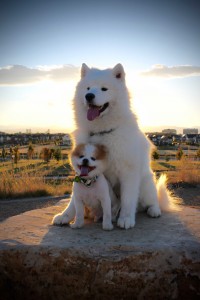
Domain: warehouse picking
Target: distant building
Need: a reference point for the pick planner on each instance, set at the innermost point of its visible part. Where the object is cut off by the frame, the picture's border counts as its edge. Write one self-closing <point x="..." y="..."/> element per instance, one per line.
<point x="169" y="131"/>
<point x="190" y="131"/>
<point x="190" y="138"/>
<point x="35" y="138"/>
<point x="177" y="138"/>
<point x="67" y="140"/>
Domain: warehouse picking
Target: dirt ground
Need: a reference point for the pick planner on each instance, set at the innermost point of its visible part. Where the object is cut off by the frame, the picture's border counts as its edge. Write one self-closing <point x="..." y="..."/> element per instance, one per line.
<point x="189" y="195"/>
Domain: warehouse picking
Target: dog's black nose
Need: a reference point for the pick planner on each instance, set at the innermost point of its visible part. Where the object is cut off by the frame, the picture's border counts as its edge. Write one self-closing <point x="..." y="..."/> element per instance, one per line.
<point x="89" y="97"/>
<point x="85" y="162"/>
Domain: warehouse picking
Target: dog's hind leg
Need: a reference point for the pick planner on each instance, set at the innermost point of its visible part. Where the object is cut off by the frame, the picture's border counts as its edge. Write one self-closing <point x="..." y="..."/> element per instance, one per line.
<point x="66" y="216"/>
<point x="149" y="196"/>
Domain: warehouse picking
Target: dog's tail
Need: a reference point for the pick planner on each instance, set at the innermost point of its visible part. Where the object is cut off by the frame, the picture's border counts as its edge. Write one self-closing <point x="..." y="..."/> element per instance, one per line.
<point x="166" y="201"/>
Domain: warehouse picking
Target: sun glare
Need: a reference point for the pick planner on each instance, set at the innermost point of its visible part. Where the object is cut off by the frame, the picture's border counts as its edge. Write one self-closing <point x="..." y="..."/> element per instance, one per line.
<point x="153" y="102"/>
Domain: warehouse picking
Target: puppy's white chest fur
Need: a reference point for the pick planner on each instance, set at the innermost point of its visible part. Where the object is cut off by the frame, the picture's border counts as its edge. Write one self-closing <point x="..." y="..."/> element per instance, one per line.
<point x="97" y="198"/>
<point x="93" y="195"/>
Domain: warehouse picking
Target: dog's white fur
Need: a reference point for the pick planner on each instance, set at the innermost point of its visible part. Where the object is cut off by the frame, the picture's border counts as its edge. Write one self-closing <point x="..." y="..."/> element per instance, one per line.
<point x="97" y="197"/>
<point x="128" y="168"/>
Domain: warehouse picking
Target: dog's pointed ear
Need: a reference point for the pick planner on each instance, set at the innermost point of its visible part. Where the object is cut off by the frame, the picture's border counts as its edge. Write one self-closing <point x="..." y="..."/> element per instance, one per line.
<point x="84" y="70"/>
<point x="118" y="71"/>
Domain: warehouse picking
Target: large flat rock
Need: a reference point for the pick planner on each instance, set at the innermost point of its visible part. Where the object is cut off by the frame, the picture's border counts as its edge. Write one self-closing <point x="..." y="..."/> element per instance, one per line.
<point x="158" y="259"/>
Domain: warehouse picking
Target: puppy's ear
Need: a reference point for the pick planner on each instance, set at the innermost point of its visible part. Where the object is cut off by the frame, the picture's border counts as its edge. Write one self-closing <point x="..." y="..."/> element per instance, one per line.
<point x="101" y="151"/>
<point x="118" y="71"/>
<point x="84" y="70"/>
<point x="78" y="150"/>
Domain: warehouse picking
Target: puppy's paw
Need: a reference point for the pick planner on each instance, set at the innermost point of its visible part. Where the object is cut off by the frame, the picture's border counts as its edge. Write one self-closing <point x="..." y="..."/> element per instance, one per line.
<point x="77" y="224"/>
<point x="126" y="222"/>
<point x="154" y="211"/>
<point x="107" y="226"/>
<point x="60" y="219"/>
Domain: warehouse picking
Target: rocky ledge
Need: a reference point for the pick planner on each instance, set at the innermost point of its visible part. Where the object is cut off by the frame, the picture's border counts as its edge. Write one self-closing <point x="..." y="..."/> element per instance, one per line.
<point x="158" y="259"/>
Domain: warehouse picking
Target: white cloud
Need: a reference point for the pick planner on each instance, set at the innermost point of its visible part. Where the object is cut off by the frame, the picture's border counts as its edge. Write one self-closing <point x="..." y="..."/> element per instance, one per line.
<point x="172" y="72"/>
<point x="21" y="75"/>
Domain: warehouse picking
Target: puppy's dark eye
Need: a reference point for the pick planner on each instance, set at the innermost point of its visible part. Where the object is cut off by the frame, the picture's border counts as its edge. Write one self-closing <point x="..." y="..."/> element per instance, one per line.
<point x="104" y="89"/>
<point x="81" y="156"/>
<point x="88" y="88"/>
<point x="92" y="158"/>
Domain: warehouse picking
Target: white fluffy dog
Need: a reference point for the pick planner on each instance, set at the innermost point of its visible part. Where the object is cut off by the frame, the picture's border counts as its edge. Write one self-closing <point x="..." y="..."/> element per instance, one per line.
<point x="90" y="188"/>
<point x="103" y="115"/>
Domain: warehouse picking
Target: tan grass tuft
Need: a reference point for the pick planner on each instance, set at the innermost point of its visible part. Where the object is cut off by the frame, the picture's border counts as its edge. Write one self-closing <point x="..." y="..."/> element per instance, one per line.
<point x="188" y="171"/>
<point x="25" y="185"/>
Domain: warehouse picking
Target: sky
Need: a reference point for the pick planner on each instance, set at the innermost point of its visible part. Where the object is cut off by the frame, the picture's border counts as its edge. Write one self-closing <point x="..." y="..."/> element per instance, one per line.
<point x="44" y="43"/>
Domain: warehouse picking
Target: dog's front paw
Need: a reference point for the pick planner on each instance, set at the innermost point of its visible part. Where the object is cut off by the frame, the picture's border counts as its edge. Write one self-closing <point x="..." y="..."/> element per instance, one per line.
<point x="60" y="219"/>
<point x="107" y="226"/>
<point x="126" y="222"/>
<point x="76" y="225"/>
<point x="154" y="211"/>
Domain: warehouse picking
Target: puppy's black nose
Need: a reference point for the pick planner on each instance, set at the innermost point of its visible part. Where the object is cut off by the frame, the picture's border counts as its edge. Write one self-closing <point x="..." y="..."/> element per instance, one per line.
<point x="89" y="97"/>
<point x="85" y="162"/>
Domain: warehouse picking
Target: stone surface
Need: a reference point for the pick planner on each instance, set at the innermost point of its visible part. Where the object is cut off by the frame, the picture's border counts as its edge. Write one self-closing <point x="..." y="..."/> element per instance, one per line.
<point x="158" y="259"/>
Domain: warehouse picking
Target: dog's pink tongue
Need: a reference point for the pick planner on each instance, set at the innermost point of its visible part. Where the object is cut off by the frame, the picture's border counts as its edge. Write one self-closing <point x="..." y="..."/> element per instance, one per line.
<point x="92" y="113"/>
<point x="84" y="171"/>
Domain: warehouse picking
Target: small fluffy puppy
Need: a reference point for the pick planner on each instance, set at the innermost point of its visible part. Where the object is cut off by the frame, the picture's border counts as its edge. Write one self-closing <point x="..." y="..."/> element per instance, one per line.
<point x="90" y="188"/>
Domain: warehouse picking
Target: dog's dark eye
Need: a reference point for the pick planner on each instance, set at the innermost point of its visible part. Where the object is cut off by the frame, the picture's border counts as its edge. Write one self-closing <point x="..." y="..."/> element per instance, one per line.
<point x="104" y="89"/>
<point x="92" y="158"/>
<point x="81" y="156"/>
<point x="88" y="88"/>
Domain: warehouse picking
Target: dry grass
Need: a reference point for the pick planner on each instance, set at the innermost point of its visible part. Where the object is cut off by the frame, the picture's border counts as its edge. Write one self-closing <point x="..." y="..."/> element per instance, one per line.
<point x="188" y="171"/>
<point x="23" y="185"/>
<point x="30" y="182"/>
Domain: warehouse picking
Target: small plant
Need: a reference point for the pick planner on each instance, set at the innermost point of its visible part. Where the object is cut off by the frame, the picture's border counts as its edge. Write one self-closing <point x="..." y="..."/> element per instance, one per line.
<point x="155" y="155"/>
<point x="30" y="151"/>
<point x="3" y="154"/>
<point x="167" y="158"/>
<point x="57" y="154"/>
<point x="179" y="154"/>
<point x="16" y="154"/>
<point x="46" y="154"/>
